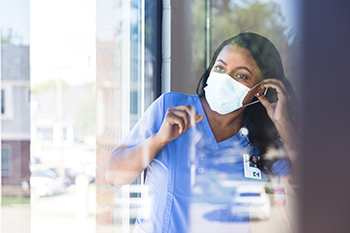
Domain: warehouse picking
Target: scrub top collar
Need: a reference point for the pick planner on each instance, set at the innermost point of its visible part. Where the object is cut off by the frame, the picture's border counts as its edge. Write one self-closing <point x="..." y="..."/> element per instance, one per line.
<point x="223" y="144"/>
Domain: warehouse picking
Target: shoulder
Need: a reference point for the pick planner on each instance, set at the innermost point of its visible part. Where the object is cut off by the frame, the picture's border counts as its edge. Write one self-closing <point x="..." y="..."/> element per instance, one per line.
<point x="176" y="99"/>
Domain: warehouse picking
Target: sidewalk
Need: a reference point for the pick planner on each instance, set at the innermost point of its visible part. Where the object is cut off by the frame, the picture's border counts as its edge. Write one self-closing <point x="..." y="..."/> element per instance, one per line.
<point x="15" y="219"/>
<point x="60" y="213"/>
<point x="63" y="213"/>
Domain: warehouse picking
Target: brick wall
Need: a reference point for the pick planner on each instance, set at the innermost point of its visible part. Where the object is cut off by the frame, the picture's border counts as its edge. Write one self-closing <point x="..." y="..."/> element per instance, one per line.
<point x="108" y="113"/>
<point x="19" y="168"/>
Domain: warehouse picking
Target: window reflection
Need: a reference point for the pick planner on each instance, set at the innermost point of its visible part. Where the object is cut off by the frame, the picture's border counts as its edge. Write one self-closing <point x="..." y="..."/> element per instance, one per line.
<point x="47" y="112"/>
<point x="63" y="137"/>
<point x="15" y="116"/>
<point x="220" y="20"/>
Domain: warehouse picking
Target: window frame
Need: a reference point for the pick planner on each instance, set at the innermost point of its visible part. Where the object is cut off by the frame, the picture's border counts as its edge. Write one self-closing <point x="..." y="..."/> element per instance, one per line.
<point x="135" y="86"/>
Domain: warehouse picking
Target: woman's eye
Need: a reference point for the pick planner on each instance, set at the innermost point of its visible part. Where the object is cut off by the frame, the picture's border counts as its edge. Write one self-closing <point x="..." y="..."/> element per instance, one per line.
<point x="241" y="76"/>
<point x="219" y="69"/>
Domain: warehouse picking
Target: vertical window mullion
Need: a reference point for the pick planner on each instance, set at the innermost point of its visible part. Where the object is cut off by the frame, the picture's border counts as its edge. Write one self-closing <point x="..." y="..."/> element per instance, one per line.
<point x="207" y="32"/>
<point x="142" y="68"/>
<point x="140" y="81"/>
<point x="125" y="209"/>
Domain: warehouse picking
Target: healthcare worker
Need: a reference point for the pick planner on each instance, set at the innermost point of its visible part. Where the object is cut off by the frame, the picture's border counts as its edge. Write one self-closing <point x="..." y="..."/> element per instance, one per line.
<point x="198" y="148"/>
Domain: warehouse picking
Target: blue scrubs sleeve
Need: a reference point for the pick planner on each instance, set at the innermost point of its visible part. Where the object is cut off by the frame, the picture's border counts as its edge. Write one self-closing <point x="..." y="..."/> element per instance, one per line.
<point x="282" y="166"/>
<point x="149" y="124"/>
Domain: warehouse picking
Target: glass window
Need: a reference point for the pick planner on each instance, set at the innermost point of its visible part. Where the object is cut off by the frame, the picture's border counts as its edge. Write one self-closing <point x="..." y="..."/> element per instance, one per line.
<point x="221" y="20"/>
<point x="92" y="74"/>
<point x="5" y="159"/>
<point x="62" y="114"/>
<point x="144" y="83"/>
<point x="134" y="38"/>
<point x="217" y="201"/>
<point x="15" y="116"/>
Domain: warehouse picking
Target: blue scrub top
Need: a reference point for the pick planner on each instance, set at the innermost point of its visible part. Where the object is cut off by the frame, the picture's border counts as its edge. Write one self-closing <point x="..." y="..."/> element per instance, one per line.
<point x="192" y="172"/>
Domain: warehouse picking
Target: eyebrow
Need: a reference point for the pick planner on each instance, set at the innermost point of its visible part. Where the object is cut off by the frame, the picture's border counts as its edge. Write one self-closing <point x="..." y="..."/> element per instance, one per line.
<point x="244" y="68"/>
<point x="238" y="67"/>
<point x="220" y="60"/>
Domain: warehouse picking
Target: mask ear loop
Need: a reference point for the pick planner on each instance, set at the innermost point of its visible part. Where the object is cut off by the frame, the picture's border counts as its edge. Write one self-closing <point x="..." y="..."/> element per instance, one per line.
<point x="256" y="100"/>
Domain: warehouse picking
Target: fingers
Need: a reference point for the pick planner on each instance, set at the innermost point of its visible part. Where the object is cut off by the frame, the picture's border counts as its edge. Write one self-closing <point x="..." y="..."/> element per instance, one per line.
<point x="179" y="118"/>
<point x="184" y="116"/>
<point x="276" y="84"/>
<point x="276" y="110"/>
<point x="264" y="101"/>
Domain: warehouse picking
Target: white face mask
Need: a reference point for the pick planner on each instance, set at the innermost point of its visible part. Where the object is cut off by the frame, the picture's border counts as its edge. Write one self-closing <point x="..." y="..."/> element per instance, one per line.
<point x="224" y="94"/>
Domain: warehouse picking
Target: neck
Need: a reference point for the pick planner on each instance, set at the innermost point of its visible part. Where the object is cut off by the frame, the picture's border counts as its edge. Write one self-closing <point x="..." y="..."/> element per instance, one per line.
<point x="223" y="126"/>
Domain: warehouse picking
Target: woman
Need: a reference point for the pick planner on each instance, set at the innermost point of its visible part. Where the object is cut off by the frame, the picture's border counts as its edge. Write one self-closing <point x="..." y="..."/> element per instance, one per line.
<point x="231" y="117"/>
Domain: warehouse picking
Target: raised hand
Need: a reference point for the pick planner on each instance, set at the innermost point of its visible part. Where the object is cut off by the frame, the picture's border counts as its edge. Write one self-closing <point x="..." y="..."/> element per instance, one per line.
<point x="177" y="121"/>
<point x="278" y="111"/>
<point x="279" y="114"/>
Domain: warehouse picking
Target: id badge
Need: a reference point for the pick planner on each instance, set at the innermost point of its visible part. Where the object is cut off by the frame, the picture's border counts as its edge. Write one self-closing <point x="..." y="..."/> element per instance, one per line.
<point x="251" y="169"/>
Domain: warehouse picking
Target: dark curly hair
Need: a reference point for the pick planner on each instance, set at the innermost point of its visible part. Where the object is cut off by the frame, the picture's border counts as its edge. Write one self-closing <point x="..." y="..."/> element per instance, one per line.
<point x="262" y="131"/>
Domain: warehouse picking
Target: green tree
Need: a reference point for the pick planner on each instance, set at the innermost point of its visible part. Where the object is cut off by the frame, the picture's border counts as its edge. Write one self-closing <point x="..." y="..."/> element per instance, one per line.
<point x="10" y="37"/>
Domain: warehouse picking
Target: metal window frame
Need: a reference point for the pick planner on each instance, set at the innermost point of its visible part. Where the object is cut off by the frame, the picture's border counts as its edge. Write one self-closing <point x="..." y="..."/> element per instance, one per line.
<point x="126" y="201"/>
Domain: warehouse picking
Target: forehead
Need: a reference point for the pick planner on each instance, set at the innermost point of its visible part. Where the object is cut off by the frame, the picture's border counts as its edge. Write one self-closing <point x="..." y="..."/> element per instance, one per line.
<point x="236" y="54"/>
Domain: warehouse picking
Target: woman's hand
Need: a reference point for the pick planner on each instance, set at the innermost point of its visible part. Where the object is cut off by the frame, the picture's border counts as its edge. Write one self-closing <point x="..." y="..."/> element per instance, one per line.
<point x="278" y="111"/>
<point x="279" y="114"/>
<point x="177" y="121"/>
<point x="126" y="164"/>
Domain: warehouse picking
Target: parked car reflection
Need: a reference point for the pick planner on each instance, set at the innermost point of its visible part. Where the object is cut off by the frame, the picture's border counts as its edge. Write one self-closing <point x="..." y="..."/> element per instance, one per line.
<point x="45" y="182"/>
<point x="70" y="176"/>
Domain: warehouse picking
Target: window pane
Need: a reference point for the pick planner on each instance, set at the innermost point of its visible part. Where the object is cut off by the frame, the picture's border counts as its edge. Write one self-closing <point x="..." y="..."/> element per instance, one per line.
<point x="5" y="160"/>
<point x="62" y="107"/>
<point x="15" y="116"/>
<point x="220" y="201"/>
<point x="135" y="39"/>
